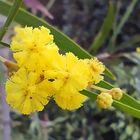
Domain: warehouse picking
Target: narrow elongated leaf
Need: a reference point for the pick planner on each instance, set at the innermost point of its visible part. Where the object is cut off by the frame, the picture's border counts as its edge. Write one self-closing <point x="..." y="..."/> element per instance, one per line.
<point x="25" y="18"/>
<point x="4" y="44"/>
<point x="105" y="84"/>
<point x="126" y="16"/>
<point x="121" y="24"/>
<point x="127" y="109"/>
<point x="118" y="105"/>
<point x="89" y="94"/>
<point x="105" y="29"/>
<point x="133" y="57"/>
<point x="13" y="11"/>
<point x="65" y="43"/>
<point x="109" y="74"/>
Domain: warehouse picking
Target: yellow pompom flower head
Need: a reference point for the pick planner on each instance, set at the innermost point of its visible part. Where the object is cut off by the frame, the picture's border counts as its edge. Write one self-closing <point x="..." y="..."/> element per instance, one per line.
<point x="44" y="73"/>
<point x="75" y="80"/>
<point x="96" y="69"/>
<point x="33" y="47"/>
<point x="25" y="92"/>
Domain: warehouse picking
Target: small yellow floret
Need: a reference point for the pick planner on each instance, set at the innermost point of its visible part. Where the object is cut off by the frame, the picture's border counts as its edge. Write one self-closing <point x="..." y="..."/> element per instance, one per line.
<point x="104" y="100"/>
<point x="116" y="93"/>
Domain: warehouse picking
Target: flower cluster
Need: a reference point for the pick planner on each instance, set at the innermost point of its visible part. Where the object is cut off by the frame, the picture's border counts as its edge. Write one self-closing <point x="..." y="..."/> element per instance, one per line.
<point x="44" y="73"/>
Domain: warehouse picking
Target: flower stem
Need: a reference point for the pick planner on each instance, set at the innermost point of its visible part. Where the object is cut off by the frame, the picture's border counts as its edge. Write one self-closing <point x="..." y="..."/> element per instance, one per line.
<point x="100" y="88"/>
<point x="9" y="64"/>
<point x="13" y="11"/>
<point x="2" y="59"/>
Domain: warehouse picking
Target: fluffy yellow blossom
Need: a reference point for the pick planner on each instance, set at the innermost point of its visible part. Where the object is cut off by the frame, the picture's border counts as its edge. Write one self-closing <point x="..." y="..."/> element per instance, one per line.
<point x="37" y="60"/>
<point x="27" y="39"/>
<point x="96" y="69"/>
<point x="104" y="100"/>
<point x="138" y="50"/>
<point x="25" y="92"/>
<point x="34" y="48"/>
<point x="73" y="76"/>
<point x="69" y="98"/>
<point x="116" y="93"/>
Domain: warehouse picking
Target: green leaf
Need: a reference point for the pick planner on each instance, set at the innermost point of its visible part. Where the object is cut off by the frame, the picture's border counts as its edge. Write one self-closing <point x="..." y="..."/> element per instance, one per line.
<point x="4" y="44"/>
<point x="105" y="84"/>
<point x="25" y="18"/>
<point x="118" y="105"/>
<point x="126" y="99"/>
<point x="127" y="109"/>
<point x="134" y="57"/>
<point x="104" y="31"/>
<point x="65" y="43"/>
<point x="89" y="94"/>
<point x="125" y="16"/>
<point x="120" y="25"/>
<point x="109" y="74"/>
<point x="12" y="13"/>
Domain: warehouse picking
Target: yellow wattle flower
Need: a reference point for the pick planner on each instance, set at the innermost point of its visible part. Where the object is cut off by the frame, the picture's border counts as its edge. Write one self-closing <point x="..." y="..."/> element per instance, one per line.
<point x="73" y="76"/>
<point x="69" y="98"/>
<point x="28" y="39"/>
<point x="25" y="92"/>
<point x="37" y="61"/>
<point x="96" y="69"/>
<point x="33" y="48"/>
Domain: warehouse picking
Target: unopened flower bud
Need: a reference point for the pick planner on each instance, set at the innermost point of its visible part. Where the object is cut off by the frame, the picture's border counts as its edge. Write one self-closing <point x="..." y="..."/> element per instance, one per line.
<point x="116" y="93"/>
<point x="104" y="100"/>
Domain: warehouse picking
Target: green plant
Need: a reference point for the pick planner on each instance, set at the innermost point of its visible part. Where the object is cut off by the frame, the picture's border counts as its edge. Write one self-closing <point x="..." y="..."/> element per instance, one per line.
<point x="126" y="104"/>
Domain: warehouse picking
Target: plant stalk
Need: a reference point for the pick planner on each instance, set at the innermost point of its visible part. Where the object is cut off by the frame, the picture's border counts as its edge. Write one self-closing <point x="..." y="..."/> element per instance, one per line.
<point x="12" y="13"/>
<point x="99" y="88"/>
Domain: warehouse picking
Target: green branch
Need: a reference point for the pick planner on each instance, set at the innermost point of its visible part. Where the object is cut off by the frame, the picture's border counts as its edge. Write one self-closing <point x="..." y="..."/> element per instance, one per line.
<point x="4" y="44"/>
<point x="13" y="11"/>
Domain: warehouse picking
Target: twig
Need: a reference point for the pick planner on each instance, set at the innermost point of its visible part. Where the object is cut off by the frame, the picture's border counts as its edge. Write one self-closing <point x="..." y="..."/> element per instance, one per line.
<point x="12" y="13"/>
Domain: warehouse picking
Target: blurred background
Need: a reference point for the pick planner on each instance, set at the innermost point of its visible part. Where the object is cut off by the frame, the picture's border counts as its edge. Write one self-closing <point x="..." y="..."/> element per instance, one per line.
<point x="117" y="24"/>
